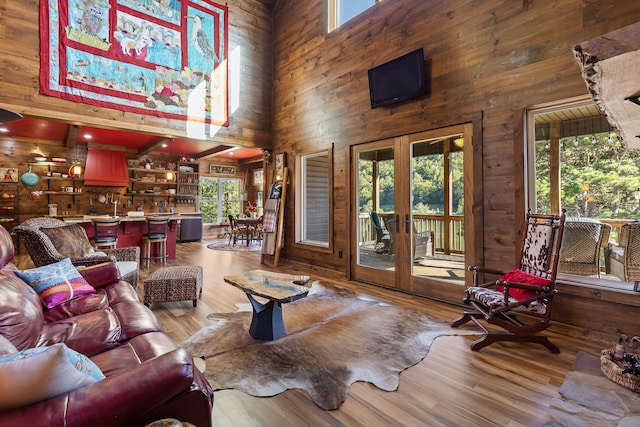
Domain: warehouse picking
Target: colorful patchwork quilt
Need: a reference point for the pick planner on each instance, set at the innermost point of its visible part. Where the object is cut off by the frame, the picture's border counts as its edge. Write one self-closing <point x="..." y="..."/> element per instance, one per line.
<point x="165" y="58"/>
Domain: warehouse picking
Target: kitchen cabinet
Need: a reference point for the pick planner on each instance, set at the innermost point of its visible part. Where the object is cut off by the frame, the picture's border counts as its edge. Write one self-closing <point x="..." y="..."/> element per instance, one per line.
<point x="188" y="183"/>
<point x="10" y="210"/>
<point x="150" y="183"/>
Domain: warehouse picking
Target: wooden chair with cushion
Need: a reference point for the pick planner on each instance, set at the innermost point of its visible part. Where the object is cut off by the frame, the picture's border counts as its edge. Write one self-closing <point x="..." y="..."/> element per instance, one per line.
<point x="528" y="288"/>
<point x="622" y="259"/>
<point x="49" y="240"/>
<point x="582" y="241"/>
<point x="238" y="232"/>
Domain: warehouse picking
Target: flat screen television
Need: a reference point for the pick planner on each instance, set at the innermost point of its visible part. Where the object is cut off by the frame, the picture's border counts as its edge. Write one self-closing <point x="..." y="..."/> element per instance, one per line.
<point x="398" y="80"/>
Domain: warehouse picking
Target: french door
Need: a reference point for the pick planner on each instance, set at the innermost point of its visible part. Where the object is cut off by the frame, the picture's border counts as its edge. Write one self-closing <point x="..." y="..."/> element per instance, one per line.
<point x="412" y="227"/>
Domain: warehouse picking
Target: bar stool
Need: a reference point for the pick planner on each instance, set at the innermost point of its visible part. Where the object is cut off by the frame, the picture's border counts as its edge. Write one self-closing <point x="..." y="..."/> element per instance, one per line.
<point x="157" y="230"/>
<point x="105" y="233"/>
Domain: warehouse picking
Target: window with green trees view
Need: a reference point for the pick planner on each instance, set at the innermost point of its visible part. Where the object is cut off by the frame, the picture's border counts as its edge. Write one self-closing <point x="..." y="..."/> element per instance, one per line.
<point x="427" y="181"/>
<point x="581" y="166"/>
<point x="219" y="198"/>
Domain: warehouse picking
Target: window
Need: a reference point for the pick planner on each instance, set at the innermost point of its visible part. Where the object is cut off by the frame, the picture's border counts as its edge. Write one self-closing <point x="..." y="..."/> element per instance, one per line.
<point x="313" y="204"/>
<point x="340" y="11"/>
<point x="219" y="198"/>
<point x="577" y="163"/>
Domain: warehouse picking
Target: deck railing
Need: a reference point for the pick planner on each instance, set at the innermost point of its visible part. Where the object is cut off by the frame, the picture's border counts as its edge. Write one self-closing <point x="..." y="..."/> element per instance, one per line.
<point x="448" y="232"/>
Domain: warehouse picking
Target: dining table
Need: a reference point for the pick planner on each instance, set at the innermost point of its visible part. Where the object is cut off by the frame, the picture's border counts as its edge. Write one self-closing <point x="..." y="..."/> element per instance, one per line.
<point x="252" y="225"/>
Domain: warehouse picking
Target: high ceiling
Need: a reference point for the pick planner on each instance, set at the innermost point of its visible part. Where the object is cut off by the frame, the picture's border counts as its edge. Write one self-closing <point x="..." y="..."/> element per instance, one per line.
<point x="48" y="130"/>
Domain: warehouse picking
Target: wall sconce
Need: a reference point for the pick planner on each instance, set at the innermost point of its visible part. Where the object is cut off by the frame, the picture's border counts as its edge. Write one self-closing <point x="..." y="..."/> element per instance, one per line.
<point x="266" y="154"/>
<point x="170" y="175"/>
<point x="636" y="194"/>
<point x="76" y="169"/>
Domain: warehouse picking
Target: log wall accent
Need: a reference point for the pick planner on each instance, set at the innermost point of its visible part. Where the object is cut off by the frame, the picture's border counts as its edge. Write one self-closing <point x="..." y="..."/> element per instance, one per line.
<point x="492" y="59"/>
<point x="250" y="67"/>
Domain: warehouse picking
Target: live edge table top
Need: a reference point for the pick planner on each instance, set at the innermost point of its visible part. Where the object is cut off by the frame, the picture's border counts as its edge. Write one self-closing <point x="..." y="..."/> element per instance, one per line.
<point x="277" y="287"/>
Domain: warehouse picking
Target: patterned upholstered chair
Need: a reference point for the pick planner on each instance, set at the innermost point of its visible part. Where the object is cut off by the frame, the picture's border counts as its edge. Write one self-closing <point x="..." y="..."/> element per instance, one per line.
<point x="622" y="259"/>
<point x="528" y="288"/>
<point x="582" y="241"/>
<point x="49" y="240"/>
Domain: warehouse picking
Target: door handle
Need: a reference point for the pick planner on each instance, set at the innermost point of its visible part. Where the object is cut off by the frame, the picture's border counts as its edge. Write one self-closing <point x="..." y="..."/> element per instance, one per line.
<point x="406" y="223"/>
<point x="397" y="223"/>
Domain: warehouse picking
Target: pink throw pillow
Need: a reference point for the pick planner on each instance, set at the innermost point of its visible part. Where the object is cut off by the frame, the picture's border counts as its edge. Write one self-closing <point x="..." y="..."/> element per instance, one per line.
<point x="519" y="276"/>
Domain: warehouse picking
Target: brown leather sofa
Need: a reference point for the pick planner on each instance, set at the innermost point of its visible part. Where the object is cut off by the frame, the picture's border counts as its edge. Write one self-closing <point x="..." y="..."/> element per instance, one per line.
<point x="147" y="376"/>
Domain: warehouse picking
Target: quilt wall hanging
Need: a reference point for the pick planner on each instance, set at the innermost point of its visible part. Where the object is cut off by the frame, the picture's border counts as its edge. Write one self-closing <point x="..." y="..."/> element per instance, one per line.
<point x="166" y="58"/>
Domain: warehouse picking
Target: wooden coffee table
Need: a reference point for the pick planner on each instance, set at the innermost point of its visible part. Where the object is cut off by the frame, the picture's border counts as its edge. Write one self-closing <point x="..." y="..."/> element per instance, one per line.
<point x="278" y="289"/>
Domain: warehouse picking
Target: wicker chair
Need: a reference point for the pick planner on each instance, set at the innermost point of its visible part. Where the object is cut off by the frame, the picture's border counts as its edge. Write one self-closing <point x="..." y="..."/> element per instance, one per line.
<point x="42" y="250"/>
<point x="623" y="259"/>
<point x="582" y="240"/>
<point x="383" y="237"/>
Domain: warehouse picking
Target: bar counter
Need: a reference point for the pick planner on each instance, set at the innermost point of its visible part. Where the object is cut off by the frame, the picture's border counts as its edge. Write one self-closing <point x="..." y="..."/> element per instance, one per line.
<point x="131" y="229"/>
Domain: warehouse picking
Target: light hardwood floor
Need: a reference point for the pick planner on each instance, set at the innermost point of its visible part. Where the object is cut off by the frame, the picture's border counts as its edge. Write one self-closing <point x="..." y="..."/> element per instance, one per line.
<point x="504" y="385"/>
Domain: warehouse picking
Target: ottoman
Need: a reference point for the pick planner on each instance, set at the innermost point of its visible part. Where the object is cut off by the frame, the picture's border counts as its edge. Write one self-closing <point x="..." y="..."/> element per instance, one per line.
<point x="169" y="284"/>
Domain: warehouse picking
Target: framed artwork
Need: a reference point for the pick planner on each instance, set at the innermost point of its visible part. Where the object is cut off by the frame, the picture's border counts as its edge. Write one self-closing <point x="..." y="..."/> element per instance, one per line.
<point x="258" y="177"/>
<point x="8" y="174"/>
<point x="222" y="170"/>
<point x="160" y="58"/>
<point x="281" y="159"/>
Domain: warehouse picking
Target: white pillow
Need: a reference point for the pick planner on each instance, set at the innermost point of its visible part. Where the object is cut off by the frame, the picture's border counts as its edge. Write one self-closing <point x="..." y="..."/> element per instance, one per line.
<point x="41" y="373"/>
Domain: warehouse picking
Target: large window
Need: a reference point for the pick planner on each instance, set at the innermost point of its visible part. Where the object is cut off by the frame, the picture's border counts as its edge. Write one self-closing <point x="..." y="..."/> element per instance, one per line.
<point x="313" y="200"/>
<point x="340" y="11"/>
<point x="577" y="163"/>
<point x="219" y="198"/>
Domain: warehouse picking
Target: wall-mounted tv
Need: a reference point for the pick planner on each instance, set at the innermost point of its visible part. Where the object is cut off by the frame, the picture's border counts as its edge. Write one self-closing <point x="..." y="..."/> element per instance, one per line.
<point x="398" y="80"/>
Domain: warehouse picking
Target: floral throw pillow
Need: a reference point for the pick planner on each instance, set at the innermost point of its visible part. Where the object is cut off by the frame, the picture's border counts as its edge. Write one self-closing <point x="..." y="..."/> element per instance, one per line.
<point x="41" y="373"/>
<point x="519" y="276"/>
<point x="56" y="283"/>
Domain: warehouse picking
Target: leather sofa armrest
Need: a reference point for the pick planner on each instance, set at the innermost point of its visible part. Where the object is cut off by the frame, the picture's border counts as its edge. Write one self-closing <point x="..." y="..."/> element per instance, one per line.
<point x="100" y="275"/>
<point x="117" y="400"/>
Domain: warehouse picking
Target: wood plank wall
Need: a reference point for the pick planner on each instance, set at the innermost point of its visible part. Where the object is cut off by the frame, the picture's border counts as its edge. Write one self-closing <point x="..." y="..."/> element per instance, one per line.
<point x="249" y="109"/>
<point x="489" y="59"/>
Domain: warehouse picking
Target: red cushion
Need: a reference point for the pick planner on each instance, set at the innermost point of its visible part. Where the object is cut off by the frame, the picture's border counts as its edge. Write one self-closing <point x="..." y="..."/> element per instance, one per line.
<point x="519" y="276"/>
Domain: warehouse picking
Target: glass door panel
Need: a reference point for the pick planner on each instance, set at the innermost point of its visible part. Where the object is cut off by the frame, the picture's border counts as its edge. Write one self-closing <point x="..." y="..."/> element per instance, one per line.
<point x="437" y="208"/>
<point x="374" y="195"/>
<point x="412" y="199"/>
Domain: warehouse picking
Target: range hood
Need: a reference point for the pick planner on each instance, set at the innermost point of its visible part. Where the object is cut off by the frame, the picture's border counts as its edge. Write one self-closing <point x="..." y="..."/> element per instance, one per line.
<point x="610" y="66"/>
<point x="107" y="168"/>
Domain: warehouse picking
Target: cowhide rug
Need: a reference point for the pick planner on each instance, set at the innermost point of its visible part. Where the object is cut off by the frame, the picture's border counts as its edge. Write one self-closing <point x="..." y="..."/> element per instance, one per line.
<point x="334" y="338"/>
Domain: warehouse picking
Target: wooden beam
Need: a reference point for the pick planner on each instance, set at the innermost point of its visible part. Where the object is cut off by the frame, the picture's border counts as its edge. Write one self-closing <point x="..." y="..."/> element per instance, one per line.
<point x="153" y="145"/>
<point x="212" y="151"/>
<point x="72" y="136"/>
<point x="554" y="178"/>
